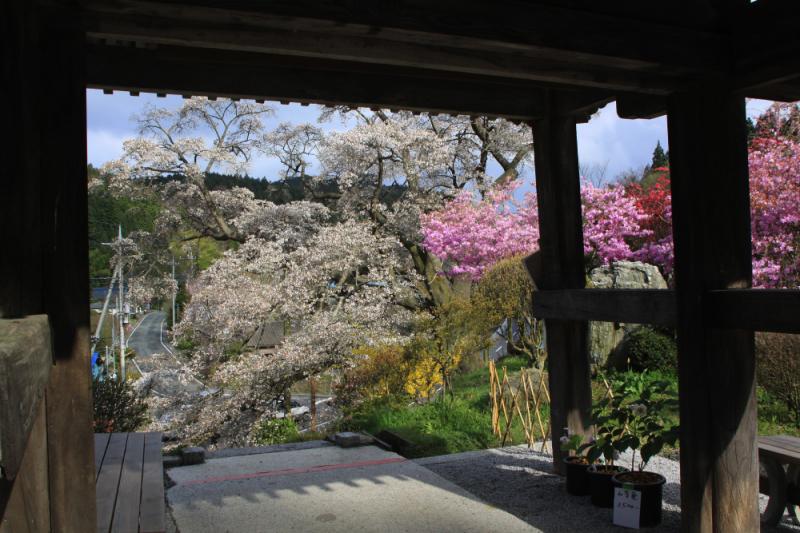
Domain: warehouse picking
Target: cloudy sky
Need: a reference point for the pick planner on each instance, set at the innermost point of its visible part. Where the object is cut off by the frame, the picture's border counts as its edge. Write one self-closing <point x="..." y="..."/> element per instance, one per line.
<point x="608" y="146"/>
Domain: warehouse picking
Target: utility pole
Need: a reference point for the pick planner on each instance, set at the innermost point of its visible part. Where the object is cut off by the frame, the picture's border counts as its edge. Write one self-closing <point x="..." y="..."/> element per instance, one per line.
<point x="114" y="341"/>
<point x="121" y="313"/>
<point x="174" y="294"/>
<point x="99" y="329"/>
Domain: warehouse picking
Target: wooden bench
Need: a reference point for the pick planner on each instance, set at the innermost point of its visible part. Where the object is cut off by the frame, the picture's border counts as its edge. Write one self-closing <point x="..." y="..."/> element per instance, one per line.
<point x="782" y="485"/>
<point x="129" y="482"/>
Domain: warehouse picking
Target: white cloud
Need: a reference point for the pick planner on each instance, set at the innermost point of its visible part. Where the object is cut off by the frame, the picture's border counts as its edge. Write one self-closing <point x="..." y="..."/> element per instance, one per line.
<point x="619" y="144"/>
<point x="103" y="145"/>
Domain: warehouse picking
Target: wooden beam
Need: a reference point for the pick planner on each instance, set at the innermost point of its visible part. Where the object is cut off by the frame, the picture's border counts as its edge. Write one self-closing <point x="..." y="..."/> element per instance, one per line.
<point x="636" y="306"/>
<point x="257" y="76"/>
<point x="561" y="263"/>
<point x="541" y="42"/>
<point x="765" y="48"/>
<point x="716" y="368"/>
<point x="775" y="310"/>
<point x="756" y="309"/>
<point x="640" y="106"/>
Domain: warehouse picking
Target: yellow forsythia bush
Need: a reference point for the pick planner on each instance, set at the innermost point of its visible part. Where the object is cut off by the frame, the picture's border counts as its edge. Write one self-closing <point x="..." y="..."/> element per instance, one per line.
<point x="388" y="369"/>
<point x="424" y="375"/>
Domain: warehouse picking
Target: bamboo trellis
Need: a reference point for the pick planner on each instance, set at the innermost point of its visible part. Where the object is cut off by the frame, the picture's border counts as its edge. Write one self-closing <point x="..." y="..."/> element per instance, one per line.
<point x="510" y="402"/>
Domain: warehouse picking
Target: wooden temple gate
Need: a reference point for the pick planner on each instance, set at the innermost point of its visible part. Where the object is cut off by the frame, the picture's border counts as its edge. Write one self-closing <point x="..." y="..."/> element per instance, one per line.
<point x="547" y="62"/>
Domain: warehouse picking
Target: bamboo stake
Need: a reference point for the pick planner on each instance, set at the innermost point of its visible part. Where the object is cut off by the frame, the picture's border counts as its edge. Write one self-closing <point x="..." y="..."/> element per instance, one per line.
<point x="521" y="418"/>
<point x="545" y="433"/>
<point x="525" y="378"/>
<point x="508" y="421"/>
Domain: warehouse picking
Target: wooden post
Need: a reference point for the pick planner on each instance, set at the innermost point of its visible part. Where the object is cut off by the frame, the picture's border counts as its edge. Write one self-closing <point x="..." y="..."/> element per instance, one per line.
<point x="44" y="228"/>
<point x="561" y="245"/>
<point x="62" y="108"/>
<point x="711" y="227"/>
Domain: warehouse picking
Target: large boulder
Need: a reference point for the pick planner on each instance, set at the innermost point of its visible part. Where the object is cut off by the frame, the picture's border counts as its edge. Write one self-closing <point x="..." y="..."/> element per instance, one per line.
<point x="627" y="275"/>
<point x="607" y="338"/>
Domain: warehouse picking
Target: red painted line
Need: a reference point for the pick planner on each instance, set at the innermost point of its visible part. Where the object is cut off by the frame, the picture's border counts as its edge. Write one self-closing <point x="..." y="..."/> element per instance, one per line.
<point x="290" y="471"/>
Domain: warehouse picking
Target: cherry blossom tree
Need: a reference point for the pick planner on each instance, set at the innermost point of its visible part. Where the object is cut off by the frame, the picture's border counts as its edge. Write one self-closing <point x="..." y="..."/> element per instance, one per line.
<point x="392" y="168"/>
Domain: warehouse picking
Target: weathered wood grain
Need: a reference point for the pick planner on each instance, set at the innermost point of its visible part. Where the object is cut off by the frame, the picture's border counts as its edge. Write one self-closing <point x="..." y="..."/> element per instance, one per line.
<point x="178" y="70"/>
<point x="28" y="509"/>
<point x="101" y="441"/>
<point x="108" y="480"/>
<point x="152" y="513"/>
<point x="126" y="510"/>
<point x="561" y="262"/>
<point x="757" y="309"/>
<point x="25" y="361"/>
<point x="716" y="368"/>
<point x="636" y="306"/>
<point x="442" y="35"/>
<point x="61" y="105"/>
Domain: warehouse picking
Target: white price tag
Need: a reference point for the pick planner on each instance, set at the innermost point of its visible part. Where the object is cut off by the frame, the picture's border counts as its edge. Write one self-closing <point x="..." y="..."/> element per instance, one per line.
<point x="627" y="507"/>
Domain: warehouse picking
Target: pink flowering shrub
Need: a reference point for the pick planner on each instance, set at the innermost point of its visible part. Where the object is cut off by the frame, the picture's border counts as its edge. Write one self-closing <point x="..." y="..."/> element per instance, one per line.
<point x="470" y="236"/>
<point x="775" y="212"/>
<point x="628" y="223"/>
<point x="611" y="223"/>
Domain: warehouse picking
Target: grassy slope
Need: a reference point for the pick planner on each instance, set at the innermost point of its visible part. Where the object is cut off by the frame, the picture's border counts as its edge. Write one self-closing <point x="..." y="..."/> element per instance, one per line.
<point x="464" y="423"/>
<point x="454" y="425"/>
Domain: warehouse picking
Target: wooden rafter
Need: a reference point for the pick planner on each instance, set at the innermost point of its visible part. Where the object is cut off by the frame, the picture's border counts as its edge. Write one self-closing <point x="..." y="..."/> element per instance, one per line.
<point x="539" y="42"/>
<point x="178" y="70"/>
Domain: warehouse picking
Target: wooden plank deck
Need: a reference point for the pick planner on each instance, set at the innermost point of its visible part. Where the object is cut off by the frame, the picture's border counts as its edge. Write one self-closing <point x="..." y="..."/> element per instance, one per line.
<point x="129" y="483"/>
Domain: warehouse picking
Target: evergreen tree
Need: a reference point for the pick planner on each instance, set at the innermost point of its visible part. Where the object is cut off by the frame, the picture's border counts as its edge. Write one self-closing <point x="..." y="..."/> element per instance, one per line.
<point x="660" y="158"/>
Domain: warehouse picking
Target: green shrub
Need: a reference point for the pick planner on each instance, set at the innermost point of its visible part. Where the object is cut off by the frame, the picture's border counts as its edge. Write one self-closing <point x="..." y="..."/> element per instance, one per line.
<point x="275" y="431"/>
<point x="434" y="428"/>
<point x="117" y="406"/>
<point x="185" y="344"/>
<point x="649" y="349"/>
<point x="778" y="368"/>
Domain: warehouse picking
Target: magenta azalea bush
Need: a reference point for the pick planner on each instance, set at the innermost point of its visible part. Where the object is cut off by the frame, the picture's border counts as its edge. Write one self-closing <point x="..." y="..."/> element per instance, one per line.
<point x="631" y="222"/>
<point x="470" y="236"/>
<point x="775" y="212"/>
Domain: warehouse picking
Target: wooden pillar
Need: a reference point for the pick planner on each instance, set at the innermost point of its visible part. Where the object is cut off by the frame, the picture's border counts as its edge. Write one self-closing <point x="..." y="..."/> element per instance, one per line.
<point x="562" y="267"/>
<point x="44" y="267"/>
<point x="711" y="225"/>
<point x="66" y="280"/>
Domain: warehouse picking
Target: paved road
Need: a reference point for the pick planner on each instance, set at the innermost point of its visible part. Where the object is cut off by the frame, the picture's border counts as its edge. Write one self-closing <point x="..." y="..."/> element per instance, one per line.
<point x="149" y="336"/>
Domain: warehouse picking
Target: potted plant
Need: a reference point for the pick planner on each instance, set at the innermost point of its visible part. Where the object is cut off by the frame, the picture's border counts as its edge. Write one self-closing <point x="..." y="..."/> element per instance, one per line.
<point x="601" y="453"/>
<point x="641" y="407"/>
<point x="575" y="463"/>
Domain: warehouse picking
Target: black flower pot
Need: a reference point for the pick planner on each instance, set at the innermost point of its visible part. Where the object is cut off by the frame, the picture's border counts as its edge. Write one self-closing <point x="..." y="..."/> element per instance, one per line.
<point x="600" y="486"/>
<point x="577" y="480"/>
<point x="651" y="486"/>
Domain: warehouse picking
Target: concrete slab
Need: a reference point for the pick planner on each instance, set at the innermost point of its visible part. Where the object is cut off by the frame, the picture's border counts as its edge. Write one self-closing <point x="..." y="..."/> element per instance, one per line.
<point x="327" y="490"/>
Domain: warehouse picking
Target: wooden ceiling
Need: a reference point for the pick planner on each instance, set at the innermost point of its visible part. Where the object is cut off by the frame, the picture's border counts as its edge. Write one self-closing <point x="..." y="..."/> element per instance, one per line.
<point x="501" y="58"/>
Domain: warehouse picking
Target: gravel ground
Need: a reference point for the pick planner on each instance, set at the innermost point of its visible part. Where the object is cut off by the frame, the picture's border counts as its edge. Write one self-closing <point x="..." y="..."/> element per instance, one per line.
<point x="520" y="481"/>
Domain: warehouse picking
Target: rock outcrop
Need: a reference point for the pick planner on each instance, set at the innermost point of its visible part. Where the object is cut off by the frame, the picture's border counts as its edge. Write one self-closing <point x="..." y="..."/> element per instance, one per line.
<point x="607" y="338"/>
